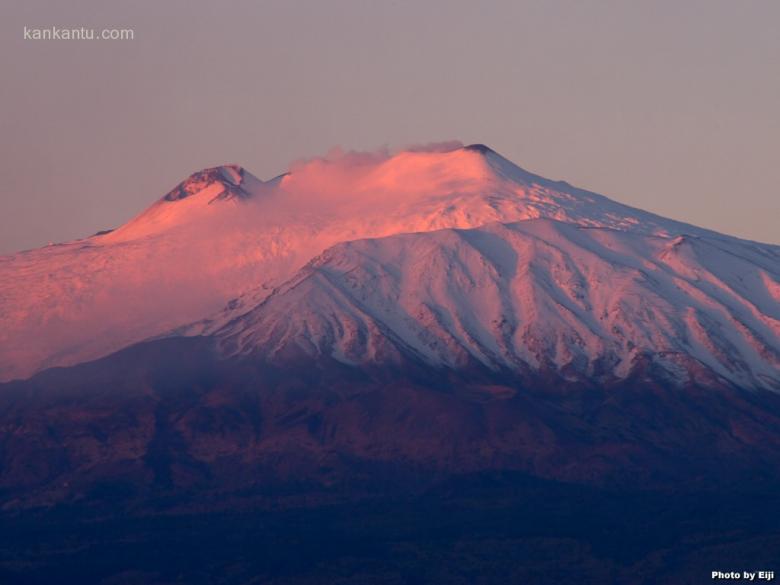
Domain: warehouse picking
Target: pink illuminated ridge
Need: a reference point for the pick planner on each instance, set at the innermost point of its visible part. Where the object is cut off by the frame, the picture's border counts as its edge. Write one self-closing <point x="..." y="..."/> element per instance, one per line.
<point x="583" y="276"/>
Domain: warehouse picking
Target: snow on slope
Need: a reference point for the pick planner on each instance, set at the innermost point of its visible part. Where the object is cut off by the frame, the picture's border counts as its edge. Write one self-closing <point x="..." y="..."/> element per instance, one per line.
<point x="66" y="303"/>
<point x="590" y="303"/>
<point x="223" y="234"/>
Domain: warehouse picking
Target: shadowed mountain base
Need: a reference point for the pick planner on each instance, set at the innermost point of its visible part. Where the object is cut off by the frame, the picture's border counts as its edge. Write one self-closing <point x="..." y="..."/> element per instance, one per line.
<point x="165" y="464"/>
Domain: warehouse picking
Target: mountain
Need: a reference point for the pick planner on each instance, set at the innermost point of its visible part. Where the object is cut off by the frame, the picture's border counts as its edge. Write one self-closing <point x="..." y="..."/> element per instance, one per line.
<point x="427" y="367"/>
<point x="367" y="277"/>
<point x="223" y="234"/>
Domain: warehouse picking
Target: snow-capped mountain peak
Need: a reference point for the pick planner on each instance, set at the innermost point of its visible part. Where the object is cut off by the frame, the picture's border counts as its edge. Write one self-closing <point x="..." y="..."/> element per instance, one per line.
<point x="224" y="234"/>
<point x="190" y="201"/>
<point x="229" y="177"/>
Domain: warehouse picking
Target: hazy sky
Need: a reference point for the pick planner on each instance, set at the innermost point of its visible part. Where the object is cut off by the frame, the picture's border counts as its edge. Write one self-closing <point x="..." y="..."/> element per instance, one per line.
<point x="671" y="106"/>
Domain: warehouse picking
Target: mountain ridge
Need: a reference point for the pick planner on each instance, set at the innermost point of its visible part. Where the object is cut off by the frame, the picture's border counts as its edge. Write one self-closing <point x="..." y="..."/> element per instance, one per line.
<point x="233" y="238"/>
<point x="537" y="293"/>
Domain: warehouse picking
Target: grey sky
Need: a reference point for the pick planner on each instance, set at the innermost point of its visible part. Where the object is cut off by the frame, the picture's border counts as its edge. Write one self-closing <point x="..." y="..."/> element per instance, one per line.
<point x="671" y="106"/>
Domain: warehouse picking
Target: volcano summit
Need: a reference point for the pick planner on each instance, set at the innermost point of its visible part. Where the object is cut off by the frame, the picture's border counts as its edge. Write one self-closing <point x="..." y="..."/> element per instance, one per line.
<point x="223" y="234"/>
